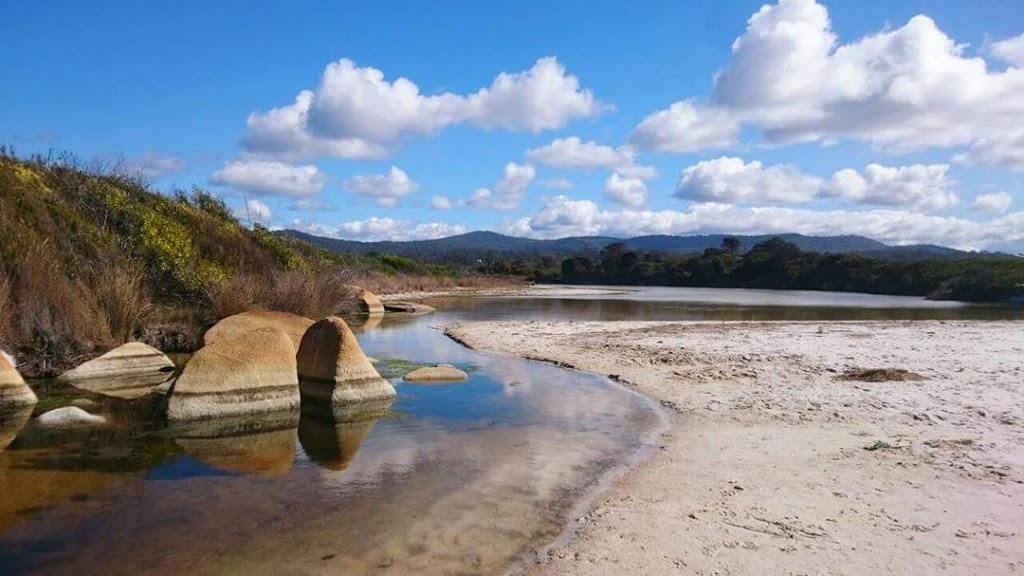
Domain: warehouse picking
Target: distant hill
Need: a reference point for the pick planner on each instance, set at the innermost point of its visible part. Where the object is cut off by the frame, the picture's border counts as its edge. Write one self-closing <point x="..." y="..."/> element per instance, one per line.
<point x="468" y="248"/>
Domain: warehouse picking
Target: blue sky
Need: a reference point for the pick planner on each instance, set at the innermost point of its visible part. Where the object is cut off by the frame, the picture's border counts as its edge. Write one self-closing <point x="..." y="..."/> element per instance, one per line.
<point x="544" y="119"/>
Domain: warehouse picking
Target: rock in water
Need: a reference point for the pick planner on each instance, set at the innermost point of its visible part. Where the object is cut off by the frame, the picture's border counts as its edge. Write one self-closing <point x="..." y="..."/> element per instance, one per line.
<point x="412" y="308"/>
<point x="291" y="324"/>
<point x="332" y="367"/>
<point x="129" y="371"/>
<point x="247" y="373"/>
<point x="14" y="393"/>
<point x="67" y="417"/>
<point x="368" y="302"/>
<point x="440" y="373"/>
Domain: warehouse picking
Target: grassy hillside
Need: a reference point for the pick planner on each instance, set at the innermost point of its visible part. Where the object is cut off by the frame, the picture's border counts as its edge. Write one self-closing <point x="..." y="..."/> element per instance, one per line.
<point x="90" y="259"/>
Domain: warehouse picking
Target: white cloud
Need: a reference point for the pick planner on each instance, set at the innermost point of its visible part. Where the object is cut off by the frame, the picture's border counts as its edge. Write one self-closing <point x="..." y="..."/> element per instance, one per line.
<point x="686" y="127"/>
<point x="254" y="211"/>
<point x="441" y="202"/>
<point x="511" y="189"/>
<point x="563" y="216"/>
<point x="1006" y="150"/>
<point x="266" y="177"/>
<point x="541" y="98"/>
<point x="555" y="184"/>
<point x="924" y="187"/>
<point x="283" y="133"/>
<point x="480" y="198"/>
<point x="626" y="191"/>
<point x="907" y="88"/>
<point x="308" y="204"/>
<point x="385" y="189"/>
<point x="575" y="154"/>
<point x="729" y="179"/>
<point x="376" y="229"/>
<point x="1010" y="50"/>
<point x="356" y="113"/>
<point x="152" y="164"/>
<point x="998" y="202"/>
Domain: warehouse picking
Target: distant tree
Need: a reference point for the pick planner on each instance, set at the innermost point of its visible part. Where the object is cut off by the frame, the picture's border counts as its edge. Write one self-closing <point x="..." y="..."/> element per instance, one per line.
<point x="731" y="244"/>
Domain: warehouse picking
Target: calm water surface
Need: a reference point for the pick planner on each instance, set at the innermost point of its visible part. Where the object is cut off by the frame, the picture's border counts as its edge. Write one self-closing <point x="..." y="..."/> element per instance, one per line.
<point x="664" y="303"/>
<point x="460" y="478"/>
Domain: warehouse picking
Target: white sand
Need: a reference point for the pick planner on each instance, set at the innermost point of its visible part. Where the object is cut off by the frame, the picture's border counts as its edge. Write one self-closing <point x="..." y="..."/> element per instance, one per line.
<point x="765" y="471"/>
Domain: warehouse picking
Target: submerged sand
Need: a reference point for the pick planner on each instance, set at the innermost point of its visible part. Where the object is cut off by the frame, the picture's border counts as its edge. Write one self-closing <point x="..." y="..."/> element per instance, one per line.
<point x="778" y="464"/>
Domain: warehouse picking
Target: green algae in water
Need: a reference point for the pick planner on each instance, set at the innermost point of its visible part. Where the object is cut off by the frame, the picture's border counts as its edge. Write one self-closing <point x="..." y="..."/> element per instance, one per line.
<point x="391" y="368"/>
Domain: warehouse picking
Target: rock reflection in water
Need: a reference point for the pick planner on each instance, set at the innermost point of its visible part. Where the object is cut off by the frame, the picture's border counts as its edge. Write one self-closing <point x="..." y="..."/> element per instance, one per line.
<point x="364" y="322"/>
<point x="262" y="445"/>
<point x="330" y="437"/>
<point x="11" y="422"/>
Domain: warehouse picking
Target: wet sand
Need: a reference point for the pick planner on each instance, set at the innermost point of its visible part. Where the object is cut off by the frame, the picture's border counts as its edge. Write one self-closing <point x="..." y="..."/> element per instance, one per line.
<point x="777" y="464"/>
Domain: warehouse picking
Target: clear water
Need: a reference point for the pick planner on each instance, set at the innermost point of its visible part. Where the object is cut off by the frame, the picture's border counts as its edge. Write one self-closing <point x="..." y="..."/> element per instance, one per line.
<point x="724" y="304"/>
<point x="458" y="478"/>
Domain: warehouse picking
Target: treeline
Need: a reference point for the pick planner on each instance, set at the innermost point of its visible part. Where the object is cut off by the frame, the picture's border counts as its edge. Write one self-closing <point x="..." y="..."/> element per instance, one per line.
<point x="777" y="264"/>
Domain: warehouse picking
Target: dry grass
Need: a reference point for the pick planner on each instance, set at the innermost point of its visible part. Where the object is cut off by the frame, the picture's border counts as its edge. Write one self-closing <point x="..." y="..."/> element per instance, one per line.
<point x="123" y="300"/>
<point x="6" y="307"/>
<point x="881" y="375"/>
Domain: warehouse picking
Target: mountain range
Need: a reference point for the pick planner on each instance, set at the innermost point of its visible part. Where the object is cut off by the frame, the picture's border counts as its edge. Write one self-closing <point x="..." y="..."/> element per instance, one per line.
<point x="473" y="246"/>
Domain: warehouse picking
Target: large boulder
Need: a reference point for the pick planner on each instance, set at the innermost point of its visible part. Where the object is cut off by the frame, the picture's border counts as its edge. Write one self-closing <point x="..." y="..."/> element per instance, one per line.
<point x="248" y="373"/>
<point x="333" y="368"/>
<point x="129" y="371"/>
<point x="233" y="326"/>
<point x="14" y="393"/>
<point x="368" y="302"/>
<point x="68" y="417"/>
<point x="439" y="373"/>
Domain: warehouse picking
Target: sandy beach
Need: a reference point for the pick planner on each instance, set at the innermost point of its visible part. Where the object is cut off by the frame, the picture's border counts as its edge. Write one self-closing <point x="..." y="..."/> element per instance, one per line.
<point x="776" y="463"/>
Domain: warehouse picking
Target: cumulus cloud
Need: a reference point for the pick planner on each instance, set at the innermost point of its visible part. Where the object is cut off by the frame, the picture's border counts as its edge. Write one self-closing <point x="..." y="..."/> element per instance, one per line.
<point x="507" y="193"/>
<point x="563" y="216"/>
<point x="254" y="211"/>
<point x="907" y="88"/>
<point x="152" y="164"/>
<point x="441" y="202"/>
<point x="998" y="202"/>
<point x="385" y="189"/>
<point x="511" y="189"/>
<point x="480" y="198"/>
<point x="1010" y="50"/>
<point x="924" y="187"/>
<point x="626" y="191"/>
<point x="730" y="179"/>
<point x="1006" y="150"/>
<point x="355" y="112"/>
<point x="555" y="184"/>
<point x="376" y="229"/>
<point x="687" y="127"/>
<point x="269" y="177"/>
<point x="573" y="153"/>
